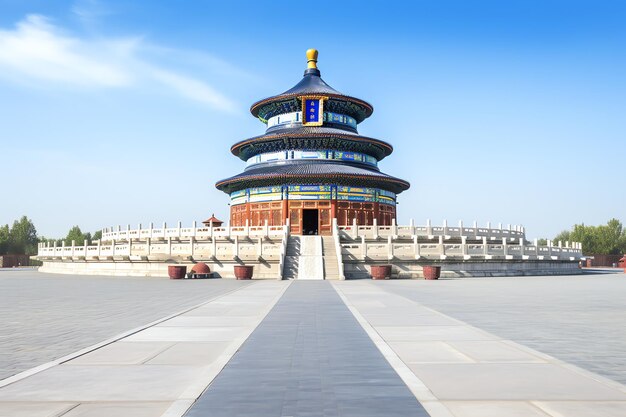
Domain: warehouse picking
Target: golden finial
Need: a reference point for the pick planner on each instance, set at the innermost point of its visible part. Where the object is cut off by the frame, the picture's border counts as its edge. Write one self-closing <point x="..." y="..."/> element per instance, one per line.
<point x="311" y="56"/>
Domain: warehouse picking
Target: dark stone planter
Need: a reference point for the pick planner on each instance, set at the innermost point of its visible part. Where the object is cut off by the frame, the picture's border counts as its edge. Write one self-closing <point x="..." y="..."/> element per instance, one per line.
<point x="244" y="271"/>
<point x="176" y="271"/>
<point x="381" y="271"/>
<point x="432" y="272"/>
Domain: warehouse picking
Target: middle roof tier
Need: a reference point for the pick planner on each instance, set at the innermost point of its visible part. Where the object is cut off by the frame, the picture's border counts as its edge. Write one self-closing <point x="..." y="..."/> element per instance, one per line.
<point x="308" y="138"/>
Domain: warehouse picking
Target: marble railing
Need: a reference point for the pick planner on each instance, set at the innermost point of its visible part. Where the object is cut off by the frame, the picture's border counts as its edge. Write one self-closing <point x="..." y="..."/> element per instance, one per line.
<point x="199" y="233"/>
<point x="374" y="232"/>
<point x="222" y="244"/>
<point x="393" y="249"/>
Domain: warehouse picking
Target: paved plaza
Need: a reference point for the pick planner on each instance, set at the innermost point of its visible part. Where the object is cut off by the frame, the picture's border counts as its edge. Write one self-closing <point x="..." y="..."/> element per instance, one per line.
<point x="46" y="316"/>
<point x="531" y="346"/>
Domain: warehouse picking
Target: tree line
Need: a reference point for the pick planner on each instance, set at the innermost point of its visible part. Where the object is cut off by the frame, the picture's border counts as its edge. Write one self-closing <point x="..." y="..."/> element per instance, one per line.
<point x="608" y="239"/>
<point x="21" y="238"/>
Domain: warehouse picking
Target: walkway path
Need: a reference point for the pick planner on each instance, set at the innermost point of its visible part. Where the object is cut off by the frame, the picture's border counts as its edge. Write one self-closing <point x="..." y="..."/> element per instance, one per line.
<point x="309" y="357"/>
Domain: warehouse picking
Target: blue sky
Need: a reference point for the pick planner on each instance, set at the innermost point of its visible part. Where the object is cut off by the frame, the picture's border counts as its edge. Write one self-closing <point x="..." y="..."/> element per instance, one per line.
<point x="124" y="112"/>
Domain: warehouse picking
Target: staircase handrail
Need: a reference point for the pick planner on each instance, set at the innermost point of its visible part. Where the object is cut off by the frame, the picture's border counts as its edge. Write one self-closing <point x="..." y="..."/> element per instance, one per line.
<point x="338" y="250"/>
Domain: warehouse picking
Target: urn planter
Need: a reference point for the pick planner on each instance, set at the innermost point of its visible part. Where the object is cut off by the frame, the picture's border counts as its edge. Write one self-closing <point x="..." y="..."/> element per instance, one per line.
<point x="176" y="271"/>
<point x="432" y="272"/>
<point x="381" y="271"/>
<point x="200" y="270"/>
<point x="244" y="271"/>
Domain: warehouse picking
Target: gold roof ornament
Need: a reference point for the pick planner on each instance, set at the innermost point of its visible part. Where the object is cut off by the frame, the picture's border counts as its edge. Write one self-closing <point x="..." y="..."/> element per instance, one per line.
<point x="311" y="56"/>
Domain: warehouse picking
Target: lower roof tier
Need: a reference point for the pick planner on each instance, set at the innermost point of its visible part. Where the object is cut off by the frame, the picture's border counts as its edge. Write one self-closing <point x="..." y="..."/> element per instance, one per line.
<point x="311" y="138"/>
<point x="312" y="192"/>
<point x="312" y="173"/>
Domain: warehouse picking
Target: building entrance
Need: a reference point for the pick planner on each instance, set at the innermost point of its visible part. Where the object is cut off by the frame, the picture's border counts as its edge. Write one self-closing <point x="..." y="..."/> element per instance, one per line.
<point x="310" y="221"/>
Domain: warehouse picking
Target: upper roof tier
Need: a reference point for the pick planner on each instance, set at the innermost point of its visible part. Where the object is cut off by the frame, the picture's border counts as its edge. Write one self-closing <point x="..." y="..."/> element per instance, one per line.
<point x="311" y="84"/>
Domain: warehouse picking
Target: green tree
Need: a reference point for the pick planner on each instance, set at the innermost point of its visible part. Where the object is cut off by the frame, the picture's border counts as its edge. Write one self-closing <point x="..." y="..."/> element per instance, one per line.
<point x="609" y="239"/>
<point x="76" y="235"/>
<point x="97" y="235"/>
<point x="564" y="236"/>
<point x="23" y="237"/>
<point x="542" y="242"/>
<point x="4" y="239"/>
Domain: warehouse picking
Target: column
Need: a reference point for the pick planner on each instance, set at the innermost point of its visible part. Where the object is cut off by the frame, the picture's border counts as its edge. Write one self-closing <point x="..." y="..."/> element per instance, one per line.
<point x="375" y="228"/>
<point x="464" y="246"/>
<point x="442" y="248"/>
<point x="416" y="247"/>
<point x="363" y="248"/>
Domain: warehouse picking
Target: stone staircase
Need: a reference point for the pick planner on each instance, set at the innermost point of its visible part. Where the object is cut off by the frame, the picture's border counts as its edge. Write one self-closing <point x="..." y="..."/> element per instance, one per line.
<point x="310" y="257"/>
<point x="292" y="258"/>
<point x="311" y="262"/>
<point x="331" y="270"/>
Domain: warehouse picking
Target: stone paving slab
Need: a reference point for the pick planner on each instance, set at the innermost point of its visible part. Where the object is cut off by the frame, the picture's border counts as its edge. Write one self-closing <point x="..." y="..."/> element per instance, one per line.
<point x="493" y="351"/>
<point x="430" y="332"/>
<point x="583" y="409"/>
<point x="309" y="357"/>
<point x="79" y="383"/>
<point x="199" y="354"/>
<point x="135" y="409"/>
<point x="474" y="373"/>
<point x="506" y="381"/>
<point x="577" y="319"/>
<point x="160" y="373"/>
<point x="47" y="316"/>
<point x="35" y="409"/>
<point x="123" y="353"/>
<point x="495" y="409"/>
<point x="187" y="334"/>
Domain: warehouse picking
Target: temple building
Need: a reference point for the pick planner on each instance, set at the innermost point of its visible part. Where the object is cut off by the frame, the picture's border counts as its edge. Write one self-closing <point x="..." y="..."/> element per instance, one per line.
<point x="311" y="165"/>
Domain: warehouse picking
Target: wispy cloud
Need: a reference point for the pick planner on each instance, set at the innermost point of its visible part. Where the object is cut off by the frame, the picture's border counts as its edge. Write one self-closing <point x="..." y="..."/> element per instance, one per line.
<point x="193" y="89"/>
<point x="36" y="50"/>
<point x="90" y="12"/>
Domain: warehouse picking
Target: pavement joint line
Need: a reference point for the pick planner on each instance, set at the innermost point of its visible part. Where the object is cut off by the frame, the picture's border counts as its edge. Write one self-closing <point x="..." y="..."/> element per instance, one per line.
<point x="40" y="368"/>
<point x="67" y="410"/>
<point x="154" y="355"/>
<point x="537" y="405"/>
<point x="533" y="352"/>
<point x="178" y="408"/>
<point x="188" y="398"/>
<point x="418" y="388"/>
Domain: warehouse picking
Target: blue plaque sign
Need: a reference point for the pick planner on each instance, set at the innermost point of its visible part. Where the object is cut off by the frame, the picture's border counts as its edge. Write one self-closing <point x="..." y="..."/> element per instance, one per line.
<point x="313" y="110"/>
